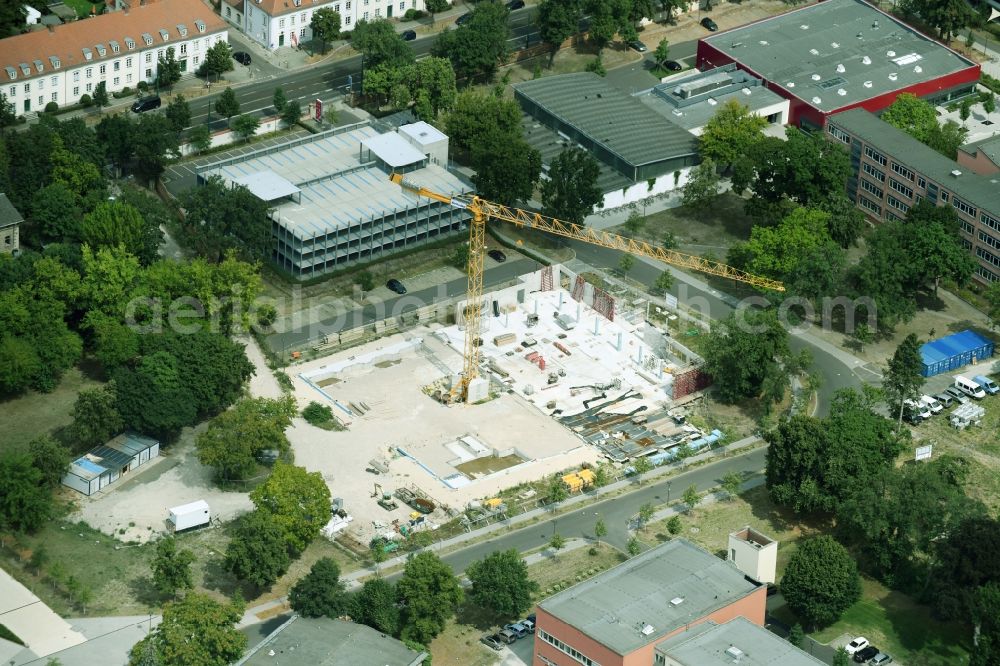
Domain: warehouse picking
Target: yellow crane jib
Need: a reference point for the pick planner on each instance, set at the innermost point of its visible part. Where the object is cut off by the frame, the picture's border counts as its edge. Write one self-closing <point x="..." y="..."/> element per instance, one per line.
<point x="483" y="210"/>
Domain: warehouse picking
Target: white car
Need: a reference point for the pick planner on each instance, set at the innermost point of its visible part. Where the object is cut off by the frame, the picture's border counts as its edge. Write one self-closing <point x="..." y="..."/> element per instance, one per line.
<point x="859" y="643"/>
<point x="931" y="404"/>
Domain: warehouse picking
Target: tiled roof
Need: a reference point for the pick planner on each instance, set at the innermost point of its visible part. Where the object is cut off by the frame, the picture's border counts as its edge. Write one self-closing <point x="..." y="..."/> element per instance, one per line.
<point x="278" y="7"/>
<point x="74" y="44"/>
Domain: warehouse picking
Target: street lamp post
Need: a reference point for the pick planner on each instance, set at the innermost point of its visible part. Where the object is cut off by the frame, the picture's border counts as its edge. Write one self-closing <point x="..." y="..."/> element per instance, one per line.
<point x="668" y="491"/>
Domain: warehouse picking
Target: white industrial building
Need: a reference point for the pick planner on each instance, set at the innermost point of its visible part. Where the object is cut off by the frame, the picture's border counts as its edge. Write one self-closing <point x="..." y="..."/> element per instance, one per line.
<point x="277" y="23"/>
<point x="106" y="463"/>
<point x="333" y="202"/>
<point x="120" y="48"/>
<point x="754" y="553"/>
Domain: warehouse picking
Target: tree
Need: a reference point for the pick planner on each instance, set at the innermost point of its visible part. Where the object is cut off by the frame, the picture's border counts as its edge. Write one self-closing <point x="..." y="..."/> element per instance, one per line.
<point x="200" y="138"/>
<point x="821" y="581"/>
<point x="430" y="592"/>
<point x="963" y="561"/>
<point x="114" y="134"/>
<point x="56" y="213"/>
<point x="796" y="635"/>
<point x="153" y="140"/>
<point x="841" y="658"/>
<point x="50" y="458"/>
<point x="691" y="497"/>
<point x="507" y="169"/>
<point x="299" y="502"/>
<point x="320" y="592"/>
<point x="246" y="125"/>
<point x="95" y="417"/>
<point x="749" y="357"/>
<point x="101" y="95"/>
<point x="117" y="223"/>
<point x="376" y="606"/>
<point x="221" y="218"/>
<point x="731" y="484"/>
<point x="783" y="252"/>
<point x="500" y="582"/>
<point x="646" y="512"/>
<point x="557" y="21"/>
<point x="965" y="109"/>
<point x="172" y="568"/>
<point x="279" y="100"/>
<point x="702" y="187"/>
<point x="434" y="77"/>
<point x="196" y="630"/>
<point x="600" y="530"/>
<point x="380" y="44"/>
<point x="178" y="113"/>
<point x="912" y="115"/>
<point x="862" y="335"/>
<point x="633" y="547"/>
<point x="258" y="552"/>
<point x="625" y="264"/>
<point x="674" y="525"/>
<point x="8" y="116"/>
<point x="641" y="466"/>
<point x="325" y="25"/>
<point x="227" y="105"/>
<point x="948" y="17"/>
<point x="25" y="500"/>
<point x="557" y="542"/>
<point x="557" y="490"/>
<point x="477" y="116"/>
<point x="730" y="133"/>
<point x="235" y="439"/>
<point x="989" y="103"/>
<point x="662" y="54"/>
<point x="570" y="193"/>
<point x="947" y="137"/>
<point x="478" y="47"/>
<point x="168" y="69"/>
<point x="635" y="222"/>
<point x="292" y="112"/>
<point x="218" y="59"/>
<point x="664" y="281"/>
<point x="903" y="377"/>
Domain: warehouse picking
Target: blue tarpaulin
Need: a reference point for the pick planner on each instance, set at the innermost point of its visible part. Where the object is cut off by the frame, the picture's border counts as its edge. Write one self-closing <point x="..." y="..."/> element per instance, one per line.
<point x="954" y="351"/>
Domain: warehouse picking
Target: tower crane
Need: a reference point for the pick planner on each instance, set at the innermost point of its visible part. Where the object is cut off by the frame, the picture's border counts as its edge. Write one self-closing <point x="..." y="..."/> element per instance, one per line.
<point x="483" y="210"/>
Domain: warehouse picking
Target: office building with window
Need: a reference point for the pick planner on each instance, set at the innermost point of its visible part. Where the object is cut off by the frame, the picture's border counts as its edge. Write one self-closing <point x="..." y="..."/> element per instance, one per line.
<point x="893" y="171"/>
<point x="618" y="617"/>
<point x="120" y="49"/>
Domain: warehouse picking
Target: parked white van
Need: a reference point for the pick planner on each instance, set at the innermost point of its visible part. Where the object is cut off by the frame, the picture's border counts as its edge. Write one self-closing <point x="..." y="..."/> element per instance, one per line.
<point x="969" y="387"/>
<point x="931" y="404"/>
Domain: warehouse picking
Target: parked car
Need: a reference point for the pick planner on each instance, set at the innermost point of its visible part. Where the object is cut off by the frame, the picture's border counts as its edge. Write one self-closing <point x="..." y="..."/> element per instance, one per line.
<point x="946" y="399"/>
<point x="772" y="589"/>
<point x="507" y="636"/>
<point x="146" y="104"/>
<point x="636" y="45"/>
<point x="529" y="625"/>
<point x="531" y="616"/>
<point x="463" y="19"/>
<point x="969" y="387"/>
<point x="956" y="395"/>
<point x="497" y="256"/>
<point x="396" y="286"/>
<point x="931" y="404"/>
<point x="673" y="66"/>
<point x="242" y="57"/>
<point x="514" y="5"/>
<point x="492" y="641"/>
<point x="409" y="35"/>
<point x="912" y="417"/>
<point x="862" y="656"/>
<point x="988" y="384"/>
<point x="918" y="408"/>
<point x="856" y="645"/>
<point x="881" y="659"/>
<point x="709" y="24"/>
<point x="517" y="629"/>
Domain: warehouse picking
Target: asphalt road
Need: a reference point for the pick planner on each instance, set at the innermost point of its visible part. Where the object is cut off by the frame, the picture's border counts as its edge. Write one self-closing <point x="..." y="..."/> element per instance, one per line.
<point x="835" y="375"/>
<point x="397" y="306"/>
<point x="616" y="513"/>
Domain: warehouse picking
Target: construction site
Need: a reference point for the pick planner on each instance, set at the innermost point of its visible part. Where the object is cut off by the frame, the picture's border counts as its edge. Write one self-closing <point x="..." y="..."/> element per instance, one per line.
<point x="574" y="378"/>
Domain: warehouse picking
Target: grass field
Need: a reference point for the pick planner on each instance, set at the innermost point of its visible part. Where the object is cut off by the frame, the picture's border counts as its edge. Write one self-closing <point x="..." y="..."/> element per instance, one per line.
<point x="33" y="414"/>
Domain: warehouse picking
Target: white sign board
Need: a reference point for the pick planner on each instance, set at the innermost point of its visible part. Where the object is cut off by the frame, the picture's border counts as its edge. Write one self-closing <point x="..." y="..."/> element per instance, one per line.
<point x="924" y="452"/>
<point x="671" y="301"/>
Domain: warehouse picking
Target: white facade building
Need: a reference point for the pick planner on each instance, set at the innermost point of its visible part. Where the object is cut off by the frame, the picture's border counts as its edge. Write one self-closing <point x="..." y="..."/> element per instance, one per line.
<point x="277" y="23"/>
<point x="754" y="553"/>
<point x="121" y="49"/>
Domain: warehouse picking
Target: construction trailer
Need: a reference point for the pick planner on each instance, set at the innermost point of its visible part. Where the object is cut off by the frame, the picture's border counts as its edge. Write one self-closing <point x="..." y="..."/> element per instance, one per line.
<point x="189" y="516"/>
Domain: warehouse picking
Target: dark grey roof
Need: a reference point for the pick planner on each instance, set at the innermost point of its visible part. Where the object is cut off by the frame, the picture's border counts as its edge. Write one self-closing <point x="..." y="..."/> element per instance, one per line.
<point x="111" y="458"/>
<point x="8" y="214"/>
<point x="990" y="146"/>
<point x="805" y="50"/>
<point x="649" y="596"/>
<point x="131" y="443"/>
<point x="609" y="117"/>
<point x="737" y="641"/>
<point x="304" y="641"/>
<point x="980" y="191"/>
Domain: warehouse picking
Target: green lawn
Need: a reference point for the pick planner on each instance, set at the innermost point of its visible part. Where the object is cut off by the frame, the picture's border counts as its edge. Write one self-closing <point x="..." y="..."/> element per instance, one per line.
<point x="82" y="7"/>
<point x="898" y="625"/>
<point x="32" y="414"/>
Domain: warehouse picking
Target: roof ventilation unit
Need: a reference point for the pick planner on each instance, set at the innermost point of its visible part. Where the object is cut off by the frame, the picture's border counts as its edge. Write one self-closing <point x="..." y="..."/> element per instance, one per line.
<point x="712" y="102"/>
<point x="893" y="76"/>
<point x="956" y="173"/>
<point x="804" y="26"/>
<point x="735" y="653"/>
<point x="817" y="100"/>
<point x="813" y="51"/>
<point x="841" y="69"/>
<point x="763" y="42"/>
<point x="647" y="629"/>
<point x="865" y="60"/>
<point x="868" y="84"/>
<point x="918" y="69"/>
<point x="841" y="92"/>
<point x="875" y="24"/>
<point x="890" y="54"/>
<point x="676" y="601"/>
<point x="816" y="77"/>
<point x="835" y="45"/>
<point x="791" y="84"/>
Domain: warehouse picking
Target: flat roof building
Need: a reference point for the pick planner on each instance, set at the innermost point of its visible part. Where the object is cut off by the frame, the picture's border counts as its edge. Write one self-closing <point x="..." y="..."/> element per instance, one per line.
<point x="836" y="55"/>
<point x="306" y="641"/>
<point x="617" y="617"/>
<point x="106" y="463"/>
<point x="690" y="100"/>
<point x="333" y="202"/>
<point x="738" y="641"/>
<point x="893" y="171"/>
<point x="981" y="156"/>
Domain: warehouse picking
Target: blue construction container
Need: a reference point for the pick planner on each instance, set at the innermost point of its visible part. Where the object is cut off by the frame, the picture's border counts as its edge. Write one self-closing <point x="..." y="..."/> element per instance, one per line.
<point x="953" y="352"/>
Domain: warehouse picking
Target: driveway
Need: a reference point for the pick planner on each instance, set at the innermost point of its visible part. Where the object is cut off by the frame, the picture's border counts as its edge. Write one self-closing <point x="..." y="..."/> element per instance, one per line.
<point x="518" y="654"/>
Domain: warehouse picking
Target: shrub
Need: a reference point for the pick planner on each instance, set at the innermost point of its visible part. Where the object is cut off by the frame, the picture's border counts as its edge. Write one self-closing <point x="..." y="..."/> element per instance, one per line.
<point x="51" y="107"/>
<point x="410" y="15"/>
<point x="85" y="100"/>
<point x="317" y="414"/>
<point x="143" y="86"/>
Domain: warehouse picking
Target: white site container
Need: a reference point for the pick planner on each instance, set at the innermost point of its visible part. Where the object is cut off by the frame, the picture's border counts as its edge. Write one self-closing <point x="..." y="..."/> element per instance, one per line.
<point x="186" y="516"/>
